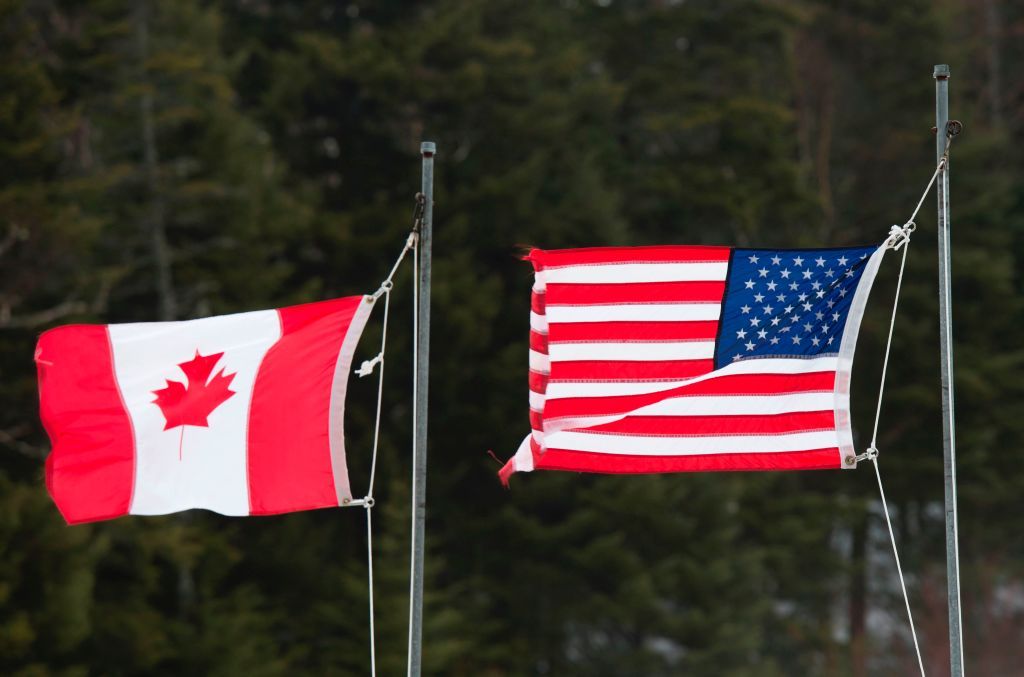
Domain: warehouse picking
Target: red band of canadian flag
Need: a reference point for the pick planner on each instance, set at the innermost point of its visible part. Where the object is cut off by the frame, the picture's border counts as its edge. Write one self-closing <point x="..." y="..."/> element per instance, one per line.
<point x="239" y="414"/>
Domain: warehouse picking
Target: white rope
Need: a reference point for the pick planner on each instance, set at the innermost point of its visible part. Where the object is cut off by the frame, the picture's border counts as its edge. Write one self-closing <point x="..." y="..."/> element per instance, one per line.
<point x="367" y="501"/>
<point x="415" y="396"/>
<point x="369" y="569"/>
<point x="899" y="237"/>
<point x="899" y="567"/>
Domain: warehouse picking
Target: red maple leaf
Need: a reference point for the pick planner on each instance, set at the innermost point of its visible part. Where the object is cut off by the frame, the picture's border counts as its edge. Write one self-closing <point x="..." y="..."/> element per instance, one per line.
<point x="184" y="405"/>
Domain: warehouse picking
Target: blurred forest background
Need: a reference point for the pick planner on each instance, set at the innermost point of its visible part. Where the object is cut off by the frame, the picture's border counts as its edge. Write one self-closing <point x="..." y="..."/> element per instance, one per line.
<point x="165" y="160"/>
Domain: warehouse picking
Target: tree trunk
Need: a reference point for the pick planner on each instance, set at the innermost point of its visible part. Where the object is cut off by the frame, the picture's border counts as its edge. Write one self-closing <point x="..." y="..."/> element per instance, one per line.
<point x="155" y="228"/>
<point x="155" y="222"/>
<point x="858" y="598"/>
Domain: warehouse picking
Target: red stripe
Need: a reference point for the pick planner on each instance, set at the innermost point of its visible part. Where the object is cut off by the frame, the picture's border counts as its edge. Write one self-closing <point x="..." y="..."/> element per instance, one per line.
<point x="90" y="472"/>
<point x="736" y="384"/>
<point x="719" y="425"/>
<point x="537" y="302"/>
<point x="593" y="332"/>
<point x="538" y="381"/>
<point x="536" y="420"/>
<point x="290" y="464"/>
<point x="547" y="258"/>
<point x="539" y="342"/>
<point x="581" y="461"/>
<point x="561" y="294"/>
<point x="602" y="370"/>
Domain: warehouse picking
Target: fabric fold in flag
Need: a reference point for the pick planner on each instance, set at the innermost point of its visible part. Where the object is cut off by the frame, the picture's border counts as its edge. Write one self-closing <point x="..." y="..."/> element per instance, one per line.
<point x="692" y="358"/>
<point x="239" y="414"/>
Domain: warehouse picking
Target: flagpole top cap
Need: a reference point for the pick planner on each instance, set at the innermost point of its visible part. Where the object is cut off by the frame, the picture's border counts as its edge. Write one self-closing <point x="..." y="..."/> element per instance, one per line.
<point x="427" y="148"/>
<point x="941" y="71"/>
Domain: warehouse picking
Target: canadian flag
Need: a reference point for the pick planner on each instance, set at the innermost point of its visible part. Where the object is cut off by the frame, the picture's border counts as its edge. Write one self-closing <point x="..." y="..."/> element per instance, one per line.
<point x="239" y="414"/>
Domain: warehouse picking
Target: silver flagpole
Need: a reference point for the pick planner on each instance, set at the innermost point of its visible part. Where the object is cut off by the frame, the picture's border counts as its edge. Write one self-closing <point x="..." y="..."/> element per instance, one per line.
<point x="419" y="486"/>
<point x="942" y="135"/>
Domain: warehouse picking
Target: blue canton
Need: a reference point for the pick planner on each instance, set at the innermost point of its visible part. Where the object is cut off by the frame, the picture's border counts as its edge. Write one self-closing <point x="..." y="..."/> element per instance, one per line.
<point x="787" y="303"/>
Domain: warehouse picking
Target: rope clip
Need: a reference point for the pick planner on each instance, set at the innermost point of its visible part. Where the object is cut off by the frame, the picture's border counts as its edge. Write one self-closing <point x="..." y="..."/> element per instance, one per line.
<point x="869" y="455"/>
<point x="368" y="502"/>
<point x="417" y="214"/>
<point x="366" y="368"/>
<point x="385" y="288"/>
<point x="900" y="235"/>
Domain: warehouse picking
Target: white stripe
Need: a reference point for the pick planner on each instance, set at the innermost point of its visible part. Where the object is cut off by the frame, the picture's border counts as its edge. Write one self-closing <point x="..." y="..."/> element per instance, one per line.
<point x="637" y="272"/>
<point x="715" y="405"/>
<point x="540" y="362"/>
<point x="538" y="323"/>
<point x="844" y="372"/>
<point x="558" y="388"/>
<point x="339" y="386"/>
<point x="681" y="446"/>
<point x="212" y="470"/>
<point x="536" y="401"/>
<point x="662" y="350"/>
<point x="524" y="457"/>
<point x="635" y="312"/>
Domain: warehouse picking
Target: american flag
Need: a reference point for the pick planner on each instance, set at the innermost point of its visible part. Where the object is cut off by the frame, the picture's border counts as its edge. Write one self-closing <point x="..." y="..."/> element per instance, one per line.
<point x="679" y="358"/>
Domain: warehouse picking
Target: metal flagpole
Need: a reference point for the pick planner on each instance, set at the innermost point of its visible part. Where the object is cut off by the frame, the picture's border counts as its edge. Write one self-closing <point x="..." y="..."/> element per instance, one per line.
<point x="944" y="131"/>
<point x="419" y="485"/>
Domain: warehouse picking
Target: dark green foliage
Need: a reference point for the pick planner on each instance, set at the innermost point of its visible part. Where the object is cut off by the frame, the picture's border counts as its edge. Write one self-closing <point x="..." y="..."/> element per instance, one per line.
<point x="163" y="160"/>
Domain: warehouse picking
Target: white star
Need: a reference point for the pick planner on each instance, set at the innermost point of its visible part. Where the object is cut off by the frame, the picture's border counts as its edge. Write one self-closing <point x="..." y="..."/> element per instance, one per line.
<point x="776" y="260"/>
<point x="849" y="273"/>
<point x="842" y="292"/>
<point x="787" y="309"/>
<point x="820" y="293"/>
<point x="824" y="329"/>
<point x="831" y="303"/>
<point x="735" y="358"/>
<point x="750" y="284"/>
<point x="863" y="256"/>
<point x="762" y="333"/>
<point x="815" y="285"/>
<point x="829" y="273"/>
<point x="820" y="261"/>
<point x="781" y="298"/>
<point x="807" y="274"/>
<point x="750" y="345"/>
<point x="745" y="309"/>
<point x="768" y="310"/>
<point x="807" y="307"/>
<point x="815" y="341"/>
<point x="758" y="298"/>
<point x="835" y="317"/>
<point x="808" y="326"/>
<point x="775" y="321"/>
<point x="752" y="258"/>
<point x="796" y="340"/>
<point x="830" y="340"/>
<point x="774" y="340"/>
<point x="742" y="333"/>
<point x="785" y="273"/>
<point x="763" y="272"/>
<point x="793" y="286"/>
<point x="802" y="297"/>
<point x="794" y="318"/>
<point x="842" y="260"/>
<point x="819" y="315"/>
<point x="754" y="322"/>
<point x="784" y="330"/>
<point x="772" y="286"/>
<point x="798" y="261"/>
